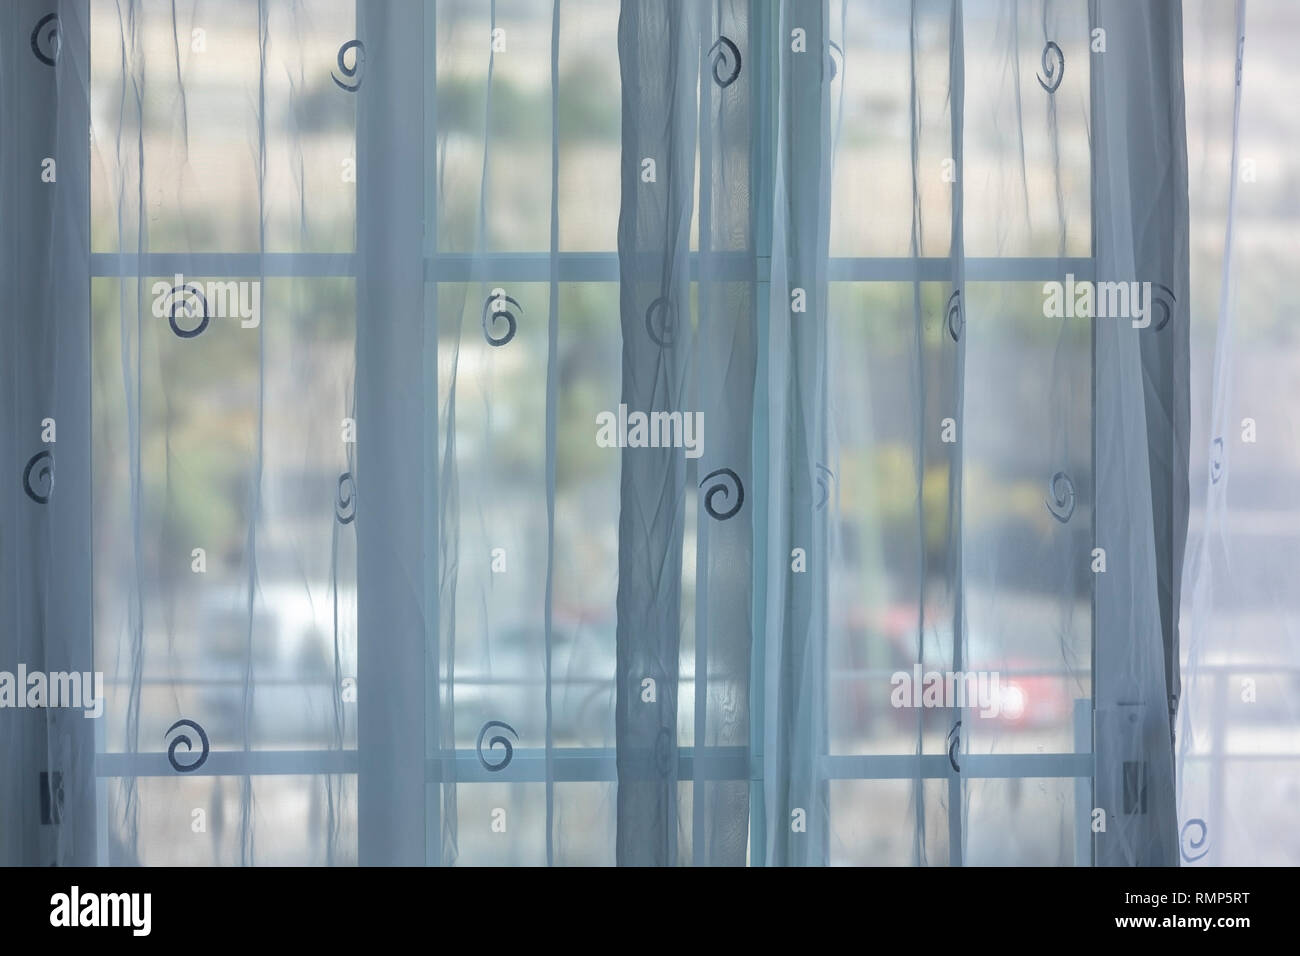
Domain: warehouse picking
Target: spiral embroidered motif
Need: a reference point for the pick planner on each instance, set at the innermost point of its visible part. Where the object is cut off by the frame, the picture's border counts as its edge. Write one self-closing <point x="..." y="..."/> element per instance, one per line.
<point x="1061" y="497"/>
<point x="1165" y="303"/>
<point x="954" y="317"/>
<point x="1053" y="67"/>
<point x="44" y="474"/>
<point x="345" y="505"/>
<point x="726" y="62"/>
<point x="830" y="56"/>
<point x="498" y="740"/>
<point x="183" y="740"/>
<point x="825" y="478"/>
<point x="46" y="44"/>
<point x="728" y="485"/>
<point x="1216" y="460"/>
<point x="187" y="300"/>
<point x="498" y="307"/>
<point x="661" y="321"/>
<point x="1188" y="846"/>
<point x="350" y="72"/>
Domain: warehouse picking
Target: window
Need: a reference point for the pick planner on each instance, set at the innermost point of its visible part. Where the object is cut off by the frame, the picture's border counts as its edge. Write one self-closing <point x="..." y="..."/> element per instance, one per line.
<point x="240" y="602"/>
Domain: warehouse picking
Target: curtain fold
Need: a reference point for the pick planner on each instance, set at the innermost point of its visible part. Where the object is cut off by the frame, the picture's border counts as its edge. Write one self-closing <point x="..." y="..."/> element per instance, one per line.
<point x="1141" y="429"/>
<point x="723" y="383"/>
<point x="795" y="617"/>
<point x="658" y="59"/>
<point x="48" y="786"/>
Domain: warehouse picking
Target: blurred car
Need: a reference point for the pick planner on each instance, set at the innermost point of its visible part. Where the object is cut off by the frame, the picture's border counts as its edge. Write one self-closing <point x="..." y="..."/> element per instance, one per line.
<point x="296" y="697"/>
<point x="1028" y="695"/>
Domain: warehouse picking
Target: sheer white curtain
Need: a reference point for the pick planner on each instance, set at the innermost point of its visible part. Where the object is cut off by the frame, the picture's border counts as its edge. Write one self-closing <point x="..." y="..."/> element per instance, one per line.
<point x="1239" y="772"/>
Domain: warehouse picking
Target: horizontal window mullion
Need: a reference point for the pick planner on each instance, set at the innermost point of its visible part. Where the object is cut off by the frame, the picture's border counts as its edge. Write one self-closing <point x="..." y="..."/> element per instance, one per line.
<point x="580" y="266"/>
<point x="222" y="763"/>
<point x="938" y="766"/>
<point x="740" y="267"/>
<point x="577" y="764"/>
<point x="574" y="267"/>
